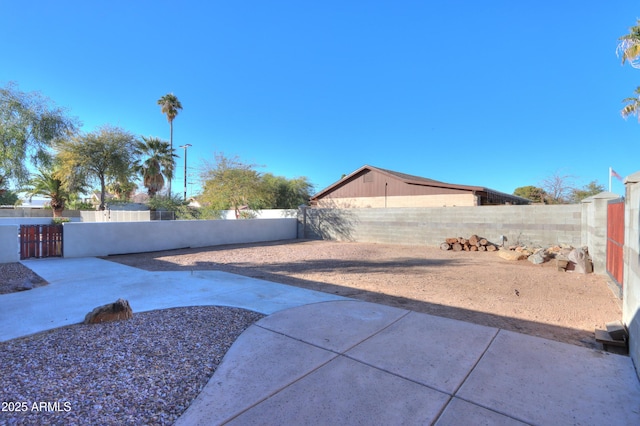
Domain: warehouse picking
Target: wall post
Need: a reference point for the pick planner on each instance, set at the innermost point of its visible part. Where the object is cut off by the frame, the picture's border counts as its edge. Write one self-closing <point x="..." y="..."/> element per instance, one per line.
<point x="9" y="247"/>
<point x="631" y="286"/>
<point x="594" y="228"/>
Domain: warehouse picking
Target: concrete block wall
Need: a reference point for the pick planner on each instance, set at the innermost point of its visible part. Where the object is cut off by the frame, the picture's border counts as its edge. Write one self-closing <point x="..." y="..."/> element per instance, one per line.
<point x="9" y="249"/>
<point x="532" y="225"/>
<point x="128" y="215"/>
<point x="26" y="220"/>
<point x="35" y="213"/>
<point x="115" y="216"/>
<point x="631" y="286"/>
<point x="594" y="228"/>
<point x="261" y="214"/>
<point x="109" y="238"/>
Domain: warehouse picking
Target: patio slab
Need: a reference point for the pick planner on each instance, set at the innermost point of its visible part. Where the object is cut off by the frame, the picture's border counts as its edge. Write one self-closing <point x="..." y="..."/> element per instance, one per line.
<point x="437" y="352"/>
<point x="538" y="380"/>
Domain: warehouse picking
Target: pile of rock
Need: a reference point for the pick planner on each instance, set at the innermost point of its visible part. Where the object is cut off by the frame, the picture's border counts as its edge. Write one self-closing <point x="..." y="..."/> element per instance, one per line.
<point x="567" y="258"/>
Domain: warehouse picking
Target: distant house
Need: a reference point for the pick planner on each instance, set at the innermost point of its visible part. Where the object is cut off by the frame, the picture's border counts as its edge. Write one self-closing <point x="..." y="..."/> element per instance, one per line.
<point x="35" y="203"/>
<point x="378" y="188"/>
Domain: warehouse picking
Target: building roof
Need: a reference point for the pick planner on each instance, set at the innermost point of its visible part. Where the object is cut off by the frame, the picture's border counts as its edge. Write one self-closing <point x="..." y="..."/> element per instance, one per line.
<point x="417" y="180"/>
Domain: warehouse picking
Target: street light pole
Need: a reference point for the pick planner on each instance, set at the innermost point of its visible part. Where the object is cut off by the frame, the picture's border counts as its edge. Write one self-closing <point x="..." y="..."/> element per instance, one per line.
<point x="185" y="169"/>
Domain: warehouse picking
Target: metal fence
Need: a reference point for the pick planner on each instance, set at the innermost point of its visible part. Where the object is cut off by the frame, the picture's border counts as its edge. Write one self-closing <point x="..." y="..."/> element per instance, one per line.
<point x="162" y="215"/>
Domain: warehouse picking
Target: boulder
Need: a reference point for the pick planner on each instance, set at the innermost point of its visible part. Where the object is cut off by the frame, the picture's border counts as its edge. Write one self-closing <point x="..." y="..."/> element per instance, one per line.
<point x="580" y="259"/>
<point x="118" y="310"/>
<point x="537" y="258"/>
<point x="511" y="254"/>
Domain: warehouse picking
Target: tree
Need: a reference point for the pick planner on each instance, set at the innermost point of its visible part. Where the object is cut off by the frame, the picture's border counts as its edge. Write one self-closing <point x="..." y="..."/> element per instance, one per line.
<point x="231" y="184"/>
<point x="75" y="202"/>
<point x="29" y="125"/>
<point x="8" y="198"/>
<point x="632" y="105"/>
<point x="629" y="46"/>
<point x="169" y="105"/>
<point x="122" y="189"/>
<point x="284" y="193"/>
<point x="106" y="155"/>
<point x="531" y="192"/>
<point x="557" y="188"/>
<point x="592" y="188"/>
<point x="159" y="163"/>
<point x="46" y="183"/>
<point x="629" y="49"/>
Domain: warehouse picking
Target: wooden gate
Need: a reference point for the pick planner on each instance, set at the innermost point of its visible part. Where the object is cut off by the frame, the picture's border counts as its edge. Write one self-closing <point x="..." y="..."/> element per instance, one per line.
<point x="615" y="240"/>
<point x="40" y="241"/>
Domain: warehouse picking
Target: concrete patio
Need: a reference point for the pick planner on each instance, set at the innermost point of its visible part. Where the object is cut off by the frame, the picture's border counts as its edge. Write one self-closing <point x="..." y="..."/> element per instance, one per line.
<point x="324" y="359"/>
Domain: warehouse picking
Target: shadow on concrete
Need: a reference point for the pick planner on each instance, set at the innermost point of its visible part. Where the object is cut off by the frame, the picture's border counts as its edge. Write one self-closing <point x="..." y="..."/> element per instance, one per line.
<point x="278" y="272"/>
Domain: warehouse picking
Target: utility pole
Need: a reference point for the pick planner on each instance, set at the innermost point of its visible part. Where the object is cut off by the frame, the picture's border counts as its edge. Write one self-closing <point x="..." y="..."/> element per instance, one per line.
<point x="185" y="169"/>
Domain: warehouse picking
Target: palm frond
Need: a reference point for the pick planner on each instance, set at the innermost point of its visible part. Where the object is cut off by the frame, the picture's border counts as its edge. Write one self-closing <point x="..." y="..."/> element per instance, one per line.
<point x="631" y="109"/>
<point x="629" y="46"/>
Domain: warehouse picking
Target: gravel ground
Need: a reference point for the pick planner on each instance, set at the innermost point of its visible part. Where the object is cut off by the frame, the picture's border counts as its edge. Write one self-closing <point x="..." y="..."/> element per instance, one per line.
<point x="146" y="370"/>
<point x="17" y="277"/>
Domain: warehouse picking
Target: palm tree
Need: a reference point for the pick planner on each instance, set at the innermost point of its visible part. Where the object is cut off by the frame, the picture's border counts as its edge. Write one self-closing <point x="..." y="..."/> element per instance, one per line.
<point x="123" y="190"/>
<point x="47" y="184"/>
<point x="159" y="164"/>
<point x="633" y="105"/>
<point x="169" y="105"/>
<point x="629" y="46"/>
<point x="629" y="49"/>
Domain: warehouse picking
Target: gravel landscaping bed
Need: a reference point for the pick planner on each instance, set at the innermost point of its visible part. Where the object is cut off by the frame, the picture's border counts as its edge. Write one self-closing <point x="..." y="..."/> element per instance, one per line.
<point x="145" y="370"/>
<point x="15" y="276"/>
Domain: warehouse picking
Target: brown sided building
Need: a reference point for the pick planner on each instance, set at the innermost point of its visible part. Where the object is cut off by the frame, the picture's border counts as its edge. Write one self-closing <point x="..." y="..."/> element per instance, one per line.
<point x="372" y="187"/>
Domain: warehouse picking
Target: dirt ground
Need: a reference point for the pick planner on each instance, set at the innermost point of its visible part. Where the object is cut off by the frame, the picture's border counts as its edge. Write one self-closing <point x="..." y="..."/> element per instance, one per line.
<point x="477" y="287"/>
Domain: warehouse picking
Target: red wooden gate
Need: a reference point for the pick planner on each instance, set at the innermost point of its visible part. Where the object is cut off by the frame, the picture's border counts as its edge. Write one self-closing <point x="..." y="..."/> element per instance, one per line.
<point x="615" y="240"/>
<point x="40" y="241"/>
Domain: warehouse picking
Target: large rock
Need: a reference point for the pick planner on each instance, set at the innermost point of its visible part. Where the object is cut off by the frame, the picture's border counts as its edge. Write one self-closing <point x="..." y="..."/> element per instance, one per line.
<point x="537" y="258"/>
<point x="118" y="310"/>
<point x="580" y="259"/>
<point x="511" y="254"/>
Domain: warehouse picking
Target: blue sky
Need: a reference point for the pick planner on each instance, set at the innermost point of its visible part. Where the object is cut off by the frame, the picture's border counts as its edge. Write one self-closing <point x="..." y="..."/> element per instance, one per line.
<point x="499" y="94"/>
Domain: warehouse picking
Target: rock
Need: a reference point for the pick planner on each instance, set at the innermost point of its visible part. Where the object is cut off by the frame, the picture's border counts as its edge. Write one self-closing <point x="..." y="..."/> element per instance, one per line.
<point x="27" y="284"/>
<point x="565" y="252"/>
<point x="537" y="258"/>
<point x="511" y="254"/>
<point x="119" y="310"/>
<point x="580" y="259"/>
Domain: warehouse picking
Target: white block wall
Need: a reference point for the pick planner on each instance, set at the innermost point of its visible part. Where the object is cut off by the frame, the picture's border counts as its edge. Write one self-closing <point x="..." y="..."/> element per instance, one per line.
<point x="9" y="250"/>
<point x="631" y="287"/>
<point x="109" y="238"/>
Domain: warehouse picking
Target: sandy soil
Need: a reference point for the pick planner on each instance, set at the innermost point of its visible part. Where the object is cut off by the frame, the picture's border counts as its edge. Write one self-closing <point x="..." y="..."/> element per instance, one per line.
<point x="478" y="287"/>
